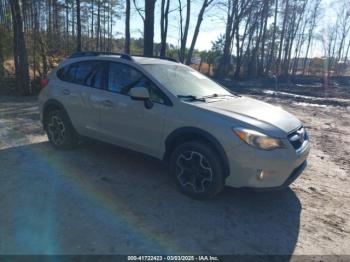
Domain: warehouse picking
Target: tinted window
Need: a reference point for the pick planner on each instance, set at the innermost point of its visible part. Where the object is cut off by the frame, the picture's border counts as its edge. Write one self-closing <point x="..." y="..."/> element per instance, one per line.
<point x="83" y="72"/>
<point x="96" y="76"/>
<point x="67" y="73"/>
<point x="88" y="73"/>
<point x="122" y="78"/>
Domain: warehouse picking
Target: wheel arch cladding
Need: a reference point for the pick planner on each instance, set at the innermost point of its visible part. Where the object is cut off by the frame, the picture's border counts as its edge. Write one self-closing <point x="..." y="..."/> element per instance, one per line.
<point x="186" y="134"/>
<point x="50" y="105"/>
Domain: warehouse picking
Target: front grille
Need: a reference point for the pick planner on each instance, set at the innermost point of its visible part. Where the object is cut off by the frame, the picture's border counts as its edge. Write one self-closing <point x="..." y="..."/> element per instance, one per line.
<point x="298" y="137"/>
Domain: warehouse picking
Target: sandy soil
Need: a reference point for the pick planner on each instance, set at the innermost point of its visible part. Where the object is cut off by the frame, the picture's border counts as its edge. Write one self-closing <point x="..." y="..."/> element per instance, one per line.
<point x="100" y="199"/>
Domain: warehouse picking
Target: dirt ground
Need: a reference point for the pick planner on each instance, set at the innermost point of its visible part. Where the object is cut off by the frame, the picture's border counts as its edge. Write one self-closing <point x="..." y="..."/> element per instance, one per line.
<point x="100" y="199"/>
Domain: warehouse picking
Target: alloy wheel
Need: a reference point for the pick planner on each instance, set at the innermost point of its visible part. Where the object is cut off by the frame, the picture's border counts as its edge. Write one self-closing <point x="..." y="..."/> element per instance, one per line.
<point x="194" y="170"/>
<point x="56" y="130"/>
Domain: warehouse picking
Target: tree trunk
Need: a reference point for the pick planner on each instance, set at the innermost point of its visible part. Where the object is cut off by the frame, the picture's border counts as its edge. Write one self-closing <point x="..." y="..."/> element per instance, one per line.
<point x="240" y="45"/>
<point x="43" y="57"/>
<point x="67" y="28"/>
<point x="2" y="69"/>
<point x="34" y="20"/>
<point x="238" y="58"/>
<point x="347" y="52"/>
<point x="19" y="49"/>
<point x="78" y="27"/>
<point x="184" y="31"/>
<point x="73" y="19"/>
<point x="286" y="10"/>
<point x="298" y="48"/>
<point x="263" y="41"/>
<point x="164" y="16"/>
<point x="311" y="30"/>
<point x="92" y="24"/>
<point x="272" y="50"/>
<point x="206" y="3"/>
<point x="200" y="64"/>
<point x="98" y="30"/>
<point x="148" y="28"/>
<point x="127" y="27"/>
<point x="253" y="62"/>
<point x="226" y="56"/>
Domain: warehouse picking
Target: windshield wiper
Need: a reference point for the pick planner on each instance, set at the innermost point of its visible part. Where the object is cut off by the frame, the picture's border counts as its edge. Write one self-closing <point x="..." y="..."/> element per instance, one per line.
<point x="192" y="98"/>
<point x="216" y="95"/>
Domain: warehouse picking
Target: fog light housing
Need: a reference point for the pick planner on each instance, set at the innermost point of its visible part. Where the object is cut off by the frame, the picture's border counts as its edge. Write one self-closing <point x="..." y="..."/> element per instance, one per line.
<point x="261" y="174"/>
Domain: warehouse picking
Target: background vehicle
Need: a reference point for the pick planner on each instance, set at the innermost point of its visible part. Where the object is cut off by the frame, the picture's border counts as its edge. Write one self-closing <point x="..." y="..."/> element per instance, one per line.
<point x="209" y="136"/>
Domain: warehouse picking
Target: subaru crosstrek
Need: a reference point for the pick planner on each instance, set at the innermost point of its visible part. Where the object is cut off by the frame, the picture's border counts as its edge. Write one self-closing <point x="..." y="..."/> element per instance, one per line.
<point x="209" y="136"/>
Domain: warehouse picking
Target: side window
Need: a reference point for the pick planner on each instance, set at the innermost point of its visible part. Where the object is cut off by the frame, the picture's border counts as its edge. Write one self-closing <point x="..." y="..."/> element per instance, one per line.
<point x="83" y="72"/>
<point x="96" y="76"/>
<point x="88" y="73"/>
<point x="60" y="73"/>
<point x="122" y="78"/>
<point x="67" y="73"/>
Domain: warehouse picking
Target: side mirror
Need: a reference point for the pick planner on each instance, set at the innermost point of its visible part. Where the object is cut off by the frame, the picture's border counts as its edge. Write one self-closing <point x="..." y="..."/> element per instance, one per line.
<point x="141" y="93"/>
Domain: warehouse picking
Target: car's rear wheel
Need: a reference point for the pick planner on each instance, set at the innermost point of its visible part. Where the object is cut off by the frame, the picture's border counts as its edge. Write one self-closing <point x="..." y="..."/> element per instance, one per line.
<point x="59" y="130"/>
<point x="197" y="170"/>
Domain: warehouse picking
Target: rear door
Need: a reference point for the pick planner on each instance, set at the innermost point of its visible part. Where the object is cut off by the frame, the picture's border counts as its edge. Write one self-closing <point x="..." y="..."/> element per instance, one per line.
<point x="82" y="83"/>
<point x="91" y="76"/>
<point x="69" y="93"/>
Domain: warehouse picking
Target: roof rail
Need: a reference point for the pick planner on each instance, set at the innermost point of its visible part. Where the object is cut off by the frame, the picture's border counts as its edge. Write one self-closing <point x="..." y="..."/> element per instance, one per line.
<point x="94" y="53"/>
<point x="122" y="55"/>
<point x="159" y="57"/>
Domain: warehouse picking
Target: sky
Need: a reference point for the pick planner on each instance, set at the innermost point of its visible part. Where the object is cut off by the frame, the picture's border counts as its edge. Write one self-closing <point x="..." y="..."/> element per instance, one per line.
<point x="211" y="28"/>
<point x="213" y="25"/>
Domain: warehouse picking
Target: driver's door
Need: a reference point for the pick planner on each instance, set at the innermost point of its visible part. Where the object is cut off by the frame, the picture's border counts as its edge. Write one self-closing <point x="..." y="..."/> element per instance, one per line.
<point x="128" y="122"/>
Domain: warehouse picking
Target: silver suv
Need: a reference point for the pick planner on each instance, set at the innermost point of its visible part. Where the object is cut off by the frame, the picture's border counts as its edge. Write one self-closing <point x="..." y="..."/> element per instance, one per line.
<point x="209" y="136"/>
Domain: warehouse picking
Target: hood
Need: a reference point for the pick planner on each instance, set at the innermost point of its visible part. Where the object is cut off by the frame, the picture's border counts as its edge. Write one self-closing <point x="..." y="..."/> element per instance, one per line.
<point x="254" y="109"/>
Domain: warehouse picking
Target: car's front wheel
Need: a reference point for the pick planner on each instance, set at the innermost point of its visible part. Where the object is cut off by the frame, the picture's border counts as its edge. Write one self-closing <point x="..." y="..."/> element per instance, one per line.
<point x="197" y="170"/>
<point x="59" y="130"/>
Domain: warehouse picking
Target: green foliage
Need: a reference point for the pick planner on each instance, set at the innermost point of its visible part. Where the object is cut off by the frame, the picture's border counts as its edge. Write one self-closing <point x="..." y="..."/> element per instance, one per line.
<point x="218" y="45"/>
<point x="212" y="57"/>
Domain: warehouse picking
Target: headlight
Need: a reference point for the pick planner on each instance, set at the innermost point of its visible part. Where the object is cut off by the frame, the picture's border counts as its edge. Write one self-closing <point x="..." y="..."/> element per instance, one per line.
<point x="257" y="139"/>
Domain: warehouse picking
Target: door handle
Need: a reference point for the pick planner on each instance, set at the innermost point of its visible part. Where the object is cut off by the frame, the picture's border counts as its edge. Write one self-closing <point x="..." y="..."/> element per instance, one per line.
<point x="107" y="103"/>
<point x="66" y="92"/>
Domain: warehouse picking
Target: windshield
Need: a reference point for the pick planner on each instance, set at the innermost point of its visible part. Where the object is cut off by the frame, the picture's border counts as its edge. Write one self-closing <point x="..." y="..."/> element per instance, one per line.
<point x="184" y="81"/>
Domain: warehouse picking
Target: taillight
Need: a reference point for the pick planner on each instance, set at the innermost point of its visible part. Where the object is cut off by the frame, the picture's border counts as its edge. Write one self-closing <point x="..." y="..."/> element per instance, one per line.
<point x="44" y="82"/>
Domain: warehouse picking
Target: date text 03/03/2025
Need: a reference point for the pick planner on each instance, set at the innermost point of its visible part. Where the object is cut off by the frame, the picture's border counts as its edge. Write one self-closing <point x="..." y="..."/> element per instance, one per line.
<point x="173" y="258"/>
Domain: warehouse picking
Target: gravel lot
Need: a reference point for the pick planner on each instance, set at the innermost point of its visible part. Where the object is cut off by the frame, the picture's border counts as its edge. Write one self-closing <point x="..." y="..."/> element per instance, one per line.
<point x="100" y="199"/>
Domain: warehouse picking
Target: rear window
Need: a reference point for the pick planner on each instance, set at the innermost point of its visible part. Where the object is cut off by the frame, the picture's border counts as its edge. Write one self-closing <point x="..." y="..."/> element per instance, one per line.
<point x="67" y="73"/>
<point x="88" y="73"/>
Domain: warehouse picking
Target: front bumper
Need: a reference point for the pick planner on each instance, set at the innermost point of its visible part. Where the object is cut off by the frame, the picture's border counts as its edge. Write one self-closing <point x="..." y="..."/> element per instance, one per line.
<point x="295" y="174"/>
<point x="281" y="167"/>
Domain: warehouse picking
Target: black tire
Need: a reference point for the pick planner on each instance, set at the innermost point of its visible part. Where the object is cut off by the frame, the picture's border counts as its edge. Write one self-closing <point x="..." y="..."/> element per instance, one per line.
<point x="197" y="170"/>
<point x="60" y="131"/>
